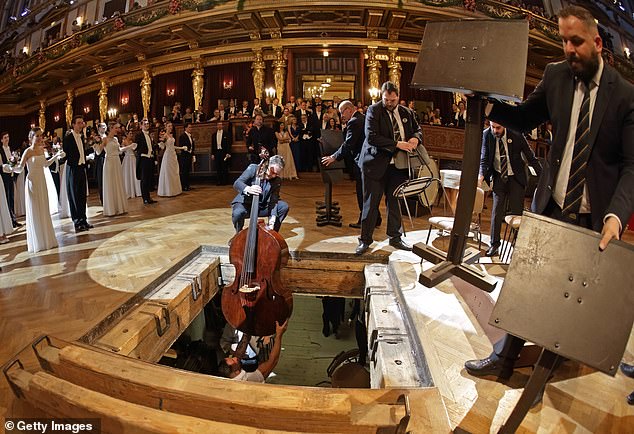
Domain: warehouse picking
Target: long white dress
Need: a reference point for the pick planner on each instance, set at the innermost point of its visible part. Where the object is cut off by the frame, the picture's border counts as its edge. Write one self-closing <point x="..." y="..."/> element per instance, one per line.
<point x="114" y="198"/>
<point x="284" y="149"/>
<point x="6" y="225"/>
<point x="18" y="195"/>
<point x="131" y="185"/>
<point x="169" y="178"/>
<point x="53" y="202"/>
<point x="64" y="205"/>
<point x="40" y="234"/>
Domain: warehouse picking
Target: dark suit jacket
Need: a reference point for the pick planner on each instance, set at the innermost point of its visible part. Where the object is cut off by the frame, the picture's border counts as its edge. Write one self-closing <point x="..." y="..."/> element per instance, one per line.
<point x="354" y="135"/>
<point x="517" y="145"/>
<point x="379" y="145"/>
<point x="268" y="200"/>
<point x="610" y="171"/>
<point x="142" y="148"/>
<point x="227" y="141"/>
<point x="70" y="148"/>
<point x="274" y="111"/>
<point x="6" y="177"/>
<point x="262" y="137"/>
<point x="183" y="140"/>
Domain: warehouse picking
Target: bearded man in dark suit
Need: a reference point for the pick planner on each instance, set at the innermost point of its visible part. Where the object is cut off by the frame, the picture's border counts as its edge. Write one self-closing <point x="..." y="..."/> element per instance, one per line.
<point x="502" y="166"/>
<point x="389" y="128"/>
<point x="588" y="177"/>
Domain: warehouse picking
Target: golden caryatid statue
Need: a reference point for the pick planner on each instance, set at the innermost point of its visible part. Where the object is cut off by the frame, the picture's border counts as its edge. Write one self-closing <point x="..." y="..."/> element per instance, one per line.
<point x="279" y="72"/>
<point x="394" y="67"/>
<point x="374" y="67"/>
<point x="146" y="91"/>
<point x="258" y="67"/>
<point x="42" y="119"/>
<point x="103" y="101"/>
<point x="198" y="85"/>
<point x="70" y="95"/>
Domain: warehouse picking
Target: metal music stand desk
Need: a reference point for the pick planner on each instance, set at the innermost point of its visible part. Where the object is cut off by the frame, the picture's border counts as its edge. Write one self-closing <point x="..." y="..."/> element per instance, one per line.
<point x="566" y="296"/>
<point x="328" y="211"/>
<point x="481" y="58"/>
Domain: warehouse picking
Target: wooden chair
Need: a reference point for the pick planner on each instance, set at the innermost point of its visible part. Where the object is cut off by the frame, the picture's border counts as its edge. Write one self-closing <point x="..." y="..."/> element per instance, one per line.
<point x="445" y="224"/>
<point x="513" y="223"/>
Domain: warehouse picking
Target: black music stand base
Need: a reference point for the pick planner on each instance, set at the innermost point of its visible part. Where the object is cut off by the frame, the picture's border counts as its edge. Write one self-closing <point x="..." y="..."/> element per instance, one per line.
<point x="545" y="366"/>
<point x="328" y="211"/>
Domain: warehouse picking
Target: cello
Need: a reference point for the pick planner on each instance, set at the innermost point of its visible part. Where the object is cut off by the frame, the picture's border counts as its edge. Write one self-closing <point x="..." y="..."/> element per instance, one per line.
<point x="257" y="298"/>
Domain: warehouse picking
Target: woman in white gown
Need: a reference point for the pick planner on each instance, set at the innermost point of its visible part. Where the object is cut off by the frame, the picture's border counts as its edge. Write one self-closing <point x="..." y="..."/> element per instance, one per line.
<point x="20" y="208"/>
<point x="284" y="149"/>
<point x="115" y="201"/>
<point x="53" y="199"/>
<point x="40" y="234"/>
<point x="131" y="185"/>
<point x="169" y="177"/>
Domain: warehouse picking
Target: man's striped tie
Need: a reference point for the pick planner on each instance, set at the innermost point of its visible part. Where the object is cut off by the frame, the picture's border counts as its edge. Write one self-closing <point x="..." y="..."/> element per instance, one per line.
<point x="395" y="128"/>
<point x="581" y="152"/>
<point x="504" y="160"/>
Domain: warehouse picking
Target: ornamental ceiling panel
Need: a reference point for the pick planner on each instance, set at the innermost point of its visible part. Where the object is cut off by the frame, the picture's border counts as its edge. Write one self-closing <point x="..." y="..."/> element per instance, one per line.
<point x="213" y="26"/>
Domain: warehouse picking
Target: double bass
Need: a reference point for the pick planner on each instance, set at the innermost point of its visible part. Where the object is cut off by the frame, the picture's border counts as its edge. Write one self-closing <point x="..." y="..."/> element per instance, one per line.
<point x="257" y="297"/>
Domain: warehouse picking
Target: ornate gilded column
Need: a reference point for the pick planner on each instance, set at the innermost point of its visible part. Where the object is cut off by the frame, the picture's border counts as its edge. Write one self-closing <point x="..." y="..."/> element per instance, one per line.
<point x="146" y="91"/>
<point x="103" y="101"/>
<point x="374" y="67"/>
<point x="70" y="95"/>
<point x="279" y="72"/>
<point x="394" y="67"/>
<point x="198" y="85"/>
<point x="258" y="67"/>
<point x="42" y="119"/>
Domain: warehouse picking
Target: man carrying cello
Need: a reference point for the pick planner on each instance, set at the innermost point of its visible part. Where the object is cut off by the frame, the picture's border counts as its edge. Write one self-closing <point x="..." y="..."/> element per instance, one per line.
<point x="270" y="204"/>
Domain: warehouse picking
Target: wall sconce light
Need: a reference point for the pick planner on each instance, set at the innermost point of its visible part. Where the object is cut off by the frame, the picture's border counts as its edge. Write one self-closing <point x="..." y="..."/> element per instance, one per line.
<point x="56" y="117"/>
<point x="112" y="113"/>
<point x="125" y="100"/>
<point x="171" y="92"/>
<point x="25" y="50"/>
<point x="627" y="52"/>
<point x="326" y="53"/>
<point x="374" y="94"/>
<point x="227" y="84"/>
<point x="270" y="92"/>
<point x="80" y="20"/>
<point x="86" y="109"/>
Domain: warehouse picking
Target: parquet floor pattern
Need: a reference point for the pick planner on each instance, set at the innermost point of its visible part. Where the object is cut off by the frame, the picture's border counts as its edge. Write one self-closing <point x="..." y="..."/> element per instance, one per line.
<point x="67" y="290"/>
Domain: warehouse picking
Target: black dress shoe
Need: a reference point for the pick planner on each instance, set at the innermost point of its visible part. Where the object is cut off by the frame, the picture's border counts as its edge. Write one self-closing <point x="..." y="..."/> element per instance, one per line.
<point x="80" y="228"/>
<point x="627" y="370"/>
<point x="630" y="398"/>
<point x="493" y="250"/>
<point x="397" y="243"/>
<point x="17" y="225"/>
<point x="361" y="248"/>
<point x="355" y="225"/>
<point x="149" y="201"/>
<point x="88" y="225"/>
<point x="489" y="366"/>
<point x="186" y="189"/>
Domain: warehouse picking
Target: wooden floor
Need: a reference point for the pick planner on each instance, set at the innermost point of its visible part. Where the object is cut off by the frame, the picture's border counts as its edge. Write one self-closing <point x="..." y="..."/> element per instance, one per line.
<point x="67" y="290"/>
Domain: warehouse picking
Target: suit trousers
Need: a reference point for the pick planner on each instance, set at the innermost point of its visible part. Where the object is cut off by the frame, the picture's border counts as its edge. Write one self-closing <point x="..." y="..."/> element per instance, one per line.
<point x="508" y="198"/>
<point x="76" y="189"/>
<point x="358" y="181"/>
<point x="221" y="166"/>
<point x="7" y="180"/>
<point x="240" y="211"/>
<point x="185" y="163"/>
<point x="373" y="190"/>
<point x="99" y="162"/>
<point x="147" y="173"/>
<point x="509" y="347"/>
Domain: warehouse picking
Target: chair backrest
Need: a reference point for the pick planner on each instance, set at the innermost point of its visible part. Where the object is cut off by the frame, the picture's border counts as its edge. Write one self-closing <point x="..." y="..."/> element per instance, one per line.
<point x="478" y="204"/>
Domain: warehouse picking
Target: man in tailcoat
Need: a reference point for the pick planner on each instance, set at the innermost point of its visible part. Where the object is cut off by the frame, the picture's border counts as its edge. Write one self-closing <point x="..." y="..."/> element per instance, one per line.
<point x="76" y="182"/>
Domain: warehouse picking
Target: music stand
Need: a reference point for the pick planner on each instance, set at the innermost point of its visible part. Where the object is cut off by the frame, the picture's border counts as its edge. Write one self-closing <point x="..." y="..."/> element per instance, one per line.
<point x="566" y="296"/>
<point x="481" y="58"/>
<point x="328" y="211"/>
